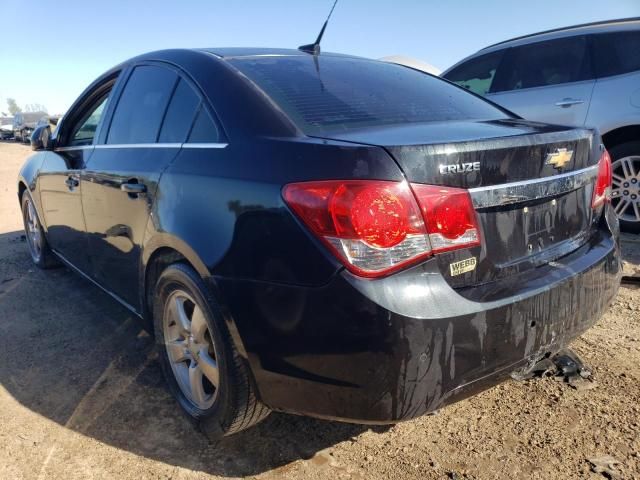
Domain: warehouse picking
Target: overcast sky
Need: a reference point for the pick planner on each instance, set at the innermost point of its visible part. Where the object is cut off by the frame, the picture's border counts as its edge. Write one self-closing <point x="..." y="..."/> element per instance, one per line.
<point x="52" y="50"/>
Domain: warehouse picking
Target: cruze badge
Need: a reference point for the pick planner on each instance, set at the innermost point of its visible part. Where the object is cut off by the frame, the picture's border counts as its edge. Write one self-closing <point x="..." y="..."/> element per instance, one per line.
<point x="559" y="158"/>
<point x="459" y="168"/>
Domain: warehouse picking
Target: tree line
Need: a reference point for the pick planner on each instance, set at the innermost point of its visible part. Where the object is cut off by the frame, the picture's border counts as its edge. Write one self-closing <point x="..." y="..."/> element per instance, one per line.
<point x="14" y="108"/>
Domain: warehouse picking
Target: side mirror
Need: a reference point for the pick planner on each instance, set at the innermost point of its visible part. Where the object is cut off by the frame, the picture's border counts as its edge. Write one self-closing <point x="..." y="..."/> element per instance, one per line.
<point x="41" y="138"/>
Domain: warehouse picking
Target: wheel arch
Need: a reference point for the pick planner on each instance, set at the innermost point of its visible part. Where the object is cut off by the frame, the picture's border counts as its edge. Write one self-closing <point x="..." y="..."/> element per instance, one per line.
<point x="22" y="186"/>
<point x="158" y="253"/>
<point x="628" y="133"/>
<point x="164" y="250"/>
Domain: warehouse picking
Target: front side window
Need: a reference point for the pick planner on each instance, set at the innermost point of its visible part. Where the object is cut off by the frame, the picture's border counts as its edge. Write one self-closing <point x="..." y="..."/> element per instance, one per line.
<point x="543" y="64"/>
<point x="478" y="73"/>
<point x="85" y="131"/>
<point x="142" y="105"/>
<point x="616" y="53"/>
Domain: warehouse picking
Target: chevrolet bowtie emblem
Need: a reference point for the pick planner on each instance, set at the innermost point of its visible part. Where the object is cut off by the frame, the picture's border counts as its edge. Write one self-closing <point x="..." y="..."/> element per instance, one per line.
<point x="559" y="158"/>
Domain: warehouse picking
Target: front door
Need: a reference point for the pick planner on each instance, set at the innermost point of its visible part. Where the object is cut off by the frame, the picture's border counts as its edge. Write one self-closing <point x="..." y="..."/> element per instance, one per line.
<point x="60" y="194"/>
<point x="61" y="180"/>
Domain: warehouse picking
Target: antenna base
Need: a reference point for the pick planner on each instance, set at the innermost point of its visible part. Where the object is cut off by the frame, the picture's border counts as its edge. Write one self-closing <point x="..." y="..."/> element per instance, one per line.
<point x="312" y="48"/>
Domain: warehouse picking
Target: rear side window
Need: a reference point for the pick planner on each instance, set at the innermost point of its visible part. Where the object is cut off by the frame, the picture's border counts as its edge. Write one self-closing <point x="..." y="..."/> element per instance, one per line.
<point x="333" y="93"/>
<point x="142" y="105"/>
<point x="204" y="129"/>
<point x="616" y="53"/>
<point x="180" y="114"/>
<point x="543" y="64"/>
<point x="478" y="73"/>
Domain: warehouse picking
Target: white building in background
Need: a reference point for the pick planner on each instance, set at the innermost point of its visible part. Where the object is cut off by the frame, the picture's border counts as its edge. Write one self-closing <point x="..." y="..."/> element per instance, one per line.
<point x="413" y="63"/>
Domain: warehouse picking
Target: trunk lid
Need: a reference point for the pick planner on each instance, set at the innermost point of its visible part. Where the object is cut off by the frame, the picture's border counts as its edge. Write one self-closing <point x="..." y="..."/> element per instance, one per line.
<point x="531" y="185"/>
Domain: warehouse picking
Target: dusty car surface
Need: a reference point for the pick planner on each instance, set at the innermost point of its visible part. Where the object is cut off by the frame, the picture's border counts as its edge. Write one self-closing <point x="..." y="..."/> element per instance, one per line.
<point x="323" y="234"/>
<point x="580" y="75"/>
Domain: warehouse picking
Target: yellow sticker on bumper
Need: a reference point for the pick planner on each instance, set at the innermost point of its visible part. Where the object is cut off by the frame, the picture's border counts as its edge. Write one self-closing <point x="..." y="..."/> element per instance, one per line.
<point x="463" y="266"/>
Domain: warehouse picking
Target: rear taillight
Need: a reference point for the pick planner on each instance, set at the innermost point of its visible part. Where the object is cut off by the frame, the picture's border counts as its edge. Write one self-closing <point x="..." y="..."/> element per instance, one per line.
<point x="449" y="215"/>
<point x="602" y="190"/>
<point x="376" y="227"/>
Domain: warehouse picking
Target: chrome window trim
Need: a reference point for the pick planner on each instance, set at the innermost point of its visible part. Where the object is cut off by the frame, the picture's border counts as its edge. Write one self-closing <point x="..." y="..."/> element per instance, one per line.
<point x="142" y="145"/>
<point x="205" y="145"/>
<point x="515" y="192"/>
<point x="73" y="148"/>
<point x="139" y="145"/>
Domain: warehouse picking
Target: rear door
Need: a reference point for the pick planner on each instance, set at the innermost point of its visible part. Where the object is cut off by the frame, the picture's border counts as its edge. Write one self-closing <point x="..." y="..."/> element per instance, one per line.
<point x="550" y="81"/>
<point x="150" y="122"/>
<point x="60" y="177"/>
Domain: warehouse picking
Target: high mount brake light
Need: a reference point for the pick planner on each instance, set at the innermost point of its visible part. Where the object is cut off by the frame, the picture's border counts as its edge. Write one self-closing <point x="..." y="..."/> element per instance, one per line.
<point x="602" y="189"/>
<point x="376" y="227"/>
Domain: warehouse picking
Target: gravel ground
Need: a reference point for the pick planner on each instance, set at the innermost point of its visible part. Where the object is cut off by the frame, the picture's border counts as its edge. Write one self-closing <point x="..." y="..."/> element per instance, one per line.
<point x="81" y="396"/>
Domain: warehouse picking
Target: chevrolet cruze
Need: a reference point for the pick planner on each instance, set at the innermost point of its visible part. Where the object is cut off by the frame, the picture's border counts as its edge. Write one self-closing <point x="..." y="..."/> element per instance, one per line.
<point x="322" y="234"/>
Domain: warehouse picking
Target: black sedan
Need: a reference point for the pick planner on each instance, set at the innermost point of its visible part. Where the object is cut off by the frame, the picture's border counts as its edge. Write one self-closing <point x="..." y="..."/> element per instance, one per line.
<point x="323" y="234"/>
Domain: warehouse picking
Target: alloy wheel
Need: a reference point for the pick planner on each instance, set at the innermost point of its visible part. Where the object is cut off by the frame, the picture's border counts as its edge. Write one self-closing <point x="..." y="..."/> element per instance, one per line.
<point x="625" y="193"/>
<point x="191" y="350"/>
<point x="34" y="233"/>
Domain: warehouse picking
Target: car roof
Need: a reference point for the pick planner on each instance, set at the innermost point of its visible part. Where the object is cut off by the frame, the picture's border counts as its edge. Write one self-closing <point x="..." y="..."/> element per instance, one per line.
<point x="582" y="29"/>
<point x="240" y="52"/>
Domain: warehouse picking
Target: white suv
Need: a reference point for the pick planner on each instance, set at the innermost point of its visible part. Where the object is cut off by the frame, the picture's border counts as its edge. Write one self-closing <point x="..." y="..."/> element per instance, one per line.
<point x="582" y="75"/>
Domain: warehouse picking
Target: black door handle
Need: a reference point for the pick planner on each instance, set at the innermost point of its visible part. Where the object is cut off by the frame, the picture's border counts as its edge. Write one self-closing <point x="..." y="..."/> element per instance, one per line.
<point x="133" y="188"/>
<point x="71" y="182"/>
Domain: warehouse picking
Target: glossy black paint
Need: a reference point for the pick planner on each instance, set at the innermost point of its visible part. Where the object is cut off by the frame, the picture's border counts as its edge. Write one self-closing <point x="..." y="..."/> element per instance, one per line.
<point x="320" y="341"/>
<point x="396" y="348"/>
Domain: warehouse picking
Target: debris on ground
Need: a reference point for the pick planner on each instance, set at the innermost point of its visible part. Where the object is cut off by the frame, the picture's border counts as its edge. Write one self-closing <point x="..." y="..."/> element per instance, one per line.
<point x="565" y="366"/>
<point x="606" y="466"/>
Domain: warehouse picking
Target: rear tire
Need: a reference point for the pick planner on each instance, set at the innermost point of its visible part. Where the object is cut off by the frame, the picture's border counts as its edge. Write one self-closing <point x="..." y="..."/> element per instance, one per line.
<point x="204" y="371"/>
<point x="39" y="249"/>
<point x="625" y="159"/>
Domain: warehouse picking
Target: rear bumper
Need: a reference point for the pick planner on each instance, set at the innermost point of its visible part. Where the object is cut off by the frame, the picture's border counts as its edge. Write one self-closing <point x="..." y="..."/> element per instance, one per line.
<point x="392" y="349"/>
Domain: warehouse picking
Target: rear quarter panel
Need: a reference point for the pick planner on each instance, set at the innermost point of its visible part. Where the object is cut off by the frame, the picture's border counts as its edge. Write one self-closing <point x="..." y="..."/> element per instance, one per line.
<point x="225" y="206"/>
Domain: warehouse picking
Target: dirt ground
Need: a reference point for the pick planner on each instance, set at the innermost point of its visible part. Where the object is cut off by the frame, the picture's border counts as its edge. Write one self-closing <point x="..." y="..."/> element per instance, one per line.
<point x="82" y="396"/>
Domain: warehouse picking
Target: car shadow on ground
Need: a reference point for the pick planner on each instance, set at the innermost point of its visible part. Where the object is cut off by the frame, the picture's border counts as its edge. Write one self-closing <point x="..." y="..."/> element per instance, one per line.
<point x="91" y="368"/>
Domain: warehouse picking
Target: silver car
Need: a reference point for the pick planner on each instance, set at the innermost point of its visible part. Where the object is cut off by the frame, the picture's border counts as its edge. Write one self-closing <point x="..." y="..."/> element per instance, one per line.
<point x="582" y="75"/>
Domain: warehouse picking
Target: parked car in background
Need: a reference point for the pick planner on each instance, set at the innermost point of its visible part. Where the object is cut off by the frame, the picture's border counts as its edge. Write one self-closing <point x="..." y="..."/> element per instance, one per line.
<point x="6" y="132"/>
<point x="581" y="75"/>
<point x="323" y="234"/>
<point x="24" y="123"/>
<point x="6" y="128"/>
<point x="414" y="63"/>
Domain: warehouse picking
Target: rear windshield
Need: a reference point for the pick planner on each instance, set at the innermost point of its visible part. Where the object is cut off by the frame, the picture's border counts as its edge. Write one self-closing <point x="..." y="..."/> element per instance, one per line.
<point x="330" y="93"/>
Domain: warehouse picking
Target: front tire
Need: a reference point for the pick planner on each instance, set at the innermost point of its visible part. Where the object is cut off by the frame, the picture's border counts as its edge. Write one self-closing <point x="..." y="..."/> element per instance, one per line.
<point x="204" y="371"/>
<point x="39" y="249"/>
<point x="625" y="196"/>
